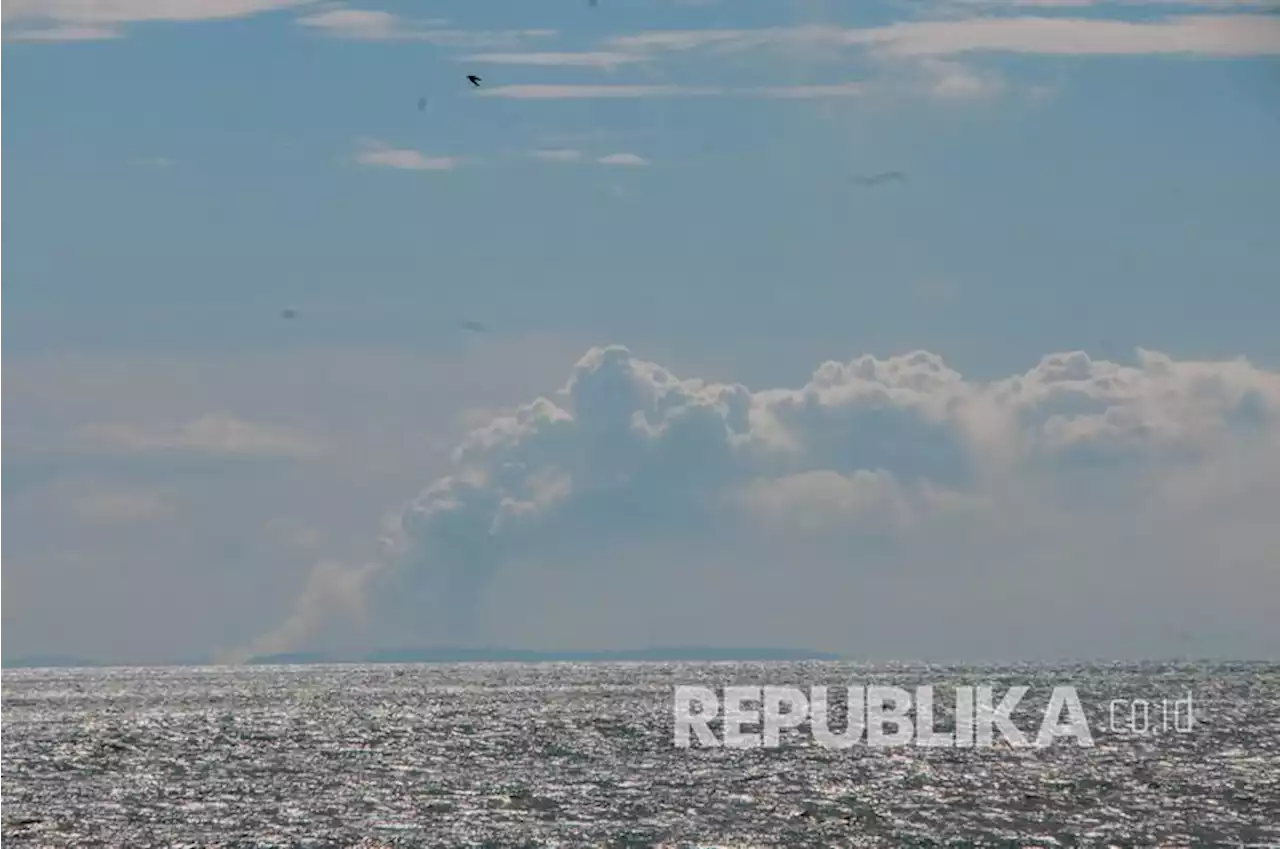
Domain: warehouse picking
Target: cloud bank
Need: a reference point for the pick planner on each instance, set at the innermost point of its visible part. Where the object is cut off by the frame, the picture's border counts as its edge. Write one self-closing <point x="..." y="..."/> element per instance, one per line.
<point x="1078" y="483"/>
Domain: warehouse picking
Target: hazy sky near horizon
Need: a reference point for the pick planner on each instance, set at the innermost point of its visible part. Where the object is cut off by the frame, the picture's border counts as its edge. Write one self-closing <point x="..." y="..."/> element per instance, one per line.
<point x="1024" y="402"/>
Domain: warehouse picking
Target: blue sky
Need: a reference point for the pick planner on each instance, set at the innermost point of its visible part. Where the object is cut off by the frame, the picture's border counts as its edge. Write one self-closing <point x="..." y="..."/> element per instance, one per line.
<point x="1081" y="176"/>
<point x="1141" y="181"/>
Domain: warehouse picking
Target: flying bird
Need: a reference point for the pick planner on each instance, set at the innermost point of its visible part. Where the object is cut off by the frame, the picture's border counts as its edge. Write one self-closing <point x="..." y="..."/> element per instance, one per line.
<point x="289" y="313"/>
<point x="422" y="104"/>
<point x="474" y="327"/>
<point x="475" y="81"/>
<point x="882" y="178"/>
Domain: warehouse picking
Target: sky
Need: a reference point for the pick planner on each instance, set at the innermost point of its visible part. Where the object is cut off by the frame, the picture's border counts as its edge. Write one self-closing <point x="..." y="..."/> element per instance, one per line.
<point x="1022" y="401"/>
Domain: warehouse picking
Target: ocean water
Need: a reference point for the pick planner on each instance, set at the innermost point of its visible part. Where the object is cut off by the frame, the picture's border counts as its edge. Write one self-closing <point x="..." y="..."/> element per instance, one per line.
<point x="583" y="755"/>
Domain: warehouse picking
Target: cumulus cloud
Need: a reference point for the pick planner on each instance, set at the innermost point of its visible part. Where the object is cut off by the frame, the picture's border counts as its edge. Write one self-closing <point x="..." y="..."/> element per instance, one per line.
<point x="1078" y="467"/>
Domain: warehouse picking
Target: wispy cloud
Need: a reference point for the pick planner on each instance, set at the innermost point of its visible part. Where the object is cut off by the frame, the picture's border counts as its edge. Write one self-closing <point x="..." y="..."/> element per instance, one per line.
<point x="82" y="20"/>
<point x="569" y="155"/>
<point x="1084" y="4"/>
<point x="355" y="23"/>
<point x="944" y="79"/>
<point x="124" y="11"/>
<point x="60" y="32"/>
<point x="628" y="159"/>
<point x="596" y="59"/>
<point x="571" y="92"/>
<point x="376" y="154"/>
<point x="374" y="25"/>
<point x="1205" y="35"/>
<point x="674" y="40"/>
<point x="567" y="92"/>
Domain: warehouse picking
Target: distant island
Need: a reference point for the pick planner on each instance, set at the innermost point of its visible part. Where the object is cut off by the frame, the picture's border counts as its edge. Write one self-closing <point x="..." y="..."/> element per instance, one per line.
<point x="475" y="655"/>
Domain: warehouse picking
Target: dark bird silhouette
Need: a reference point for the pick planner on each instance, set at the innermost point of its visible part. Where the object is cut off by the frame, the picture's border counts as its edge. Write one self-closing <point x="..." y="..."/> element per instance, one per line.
<point x="593" y="3"/>
<point x="474" y="327"/>
<point x="882" y="178"/>
<point x="289" y="313"/>
<point x="475" y="81"/>
<point x="422" y="104"/>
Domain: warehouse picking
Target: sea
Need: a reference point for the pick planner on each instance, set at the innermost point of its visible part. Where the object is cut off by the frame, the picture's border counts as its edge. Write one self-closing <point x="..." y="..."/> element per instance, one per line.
<point x="583" y="754"/>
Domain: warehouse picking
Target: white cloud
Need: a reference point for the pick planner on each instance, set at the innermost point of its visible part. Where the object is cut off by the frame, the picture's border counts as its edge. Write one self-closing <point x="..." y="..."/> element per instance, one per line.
<point x="1205" y="35"/>
<point x="574" y="155"/>
<point x="627" y="159"/>
<point x="76" y="20"/>
<point x="589" y="91"/>
<point x="823" y="501"/>
<point x="568" y="92"/>
<point x="1076" y="471"/>
<point x="214" y="435"/>
<point x="596" y="59"/>
<point x="676" y="40"/>
<point x="374" y="25"/>
<point x="354" y="23"/>
<point x="950" y="80"/>
<point x="60" y="33"/>
<point x="886" y="507"/>
<point x="1084" y="4"/>
<point x="378" y="155"/>
<point x="125" y="11"/>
